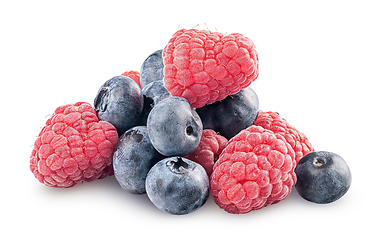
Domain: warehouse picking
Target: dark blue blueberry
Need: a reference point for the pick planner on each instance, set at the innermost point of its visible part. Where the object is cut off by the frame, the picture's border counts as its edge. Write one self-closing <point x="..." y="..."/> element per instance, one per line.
<point x="174" y="127"/>
<point x="152" y="68"/>
<point x="322" y="177"/>
<point x="119" y="101"/>
<point x="231" y="115"/>
<point x="177" y="185"/>
<point x="133" y="157"/>
<point x="153" y="93"/>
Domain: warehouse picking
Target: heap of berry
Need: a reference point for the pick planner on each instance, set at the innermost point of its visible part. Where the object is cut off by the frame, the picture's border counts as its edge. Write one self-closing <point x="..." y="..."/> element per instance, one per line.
<point x="74" y="146"/>
<point x="205" y="67"/>
<point x="186" y="126"/>
<point x="255" y="169"/>
<point x="298" y="141"/>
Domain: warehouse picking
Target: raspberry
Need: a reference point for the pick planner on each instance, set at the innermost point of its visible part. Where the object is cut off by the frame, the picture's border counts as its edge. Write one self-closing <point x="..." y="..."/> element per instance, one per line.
<point x="298" y="141"/>
<point x="205" y="67"/>
<point x="73" y="146"/>
<point x="255" y="169"/>
<point x="134" y="75"/>
<point x="207" y="152"/>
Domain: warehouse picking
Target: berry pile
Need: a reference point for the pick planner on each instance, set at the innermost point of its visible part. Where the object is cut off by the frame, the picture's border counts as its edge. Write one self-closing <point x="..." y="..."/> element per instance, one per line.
<point x="186" y="126"/>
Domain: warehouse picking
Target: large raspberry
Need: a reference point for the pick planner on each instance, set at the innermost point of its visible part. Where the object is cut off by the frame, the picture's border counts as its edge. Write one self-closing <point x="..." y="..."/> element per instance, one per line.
<point x="255" y="169"/>
<point x="74" y="146"/>
<point x="205" y="67"/>
<point x="298" y="141"/>
<point x="209" y="149"/>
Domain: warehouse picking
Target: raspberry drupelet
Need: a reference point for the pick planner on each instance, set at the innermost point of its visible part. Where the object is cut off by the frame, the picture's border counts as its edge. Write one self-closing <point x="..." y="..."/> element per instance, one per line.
<point x="73" y="146"/>
<point x="205" y="67"/>
<point x="255" y="169"/>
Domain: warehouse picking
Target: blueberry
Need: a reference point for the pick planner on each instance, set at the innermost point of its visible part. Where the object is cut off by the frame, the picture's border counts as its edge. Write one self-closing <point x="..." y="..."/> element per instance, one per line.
<point x="119" y="101"/>
<point x="153" y="93"/>
<point x="177" y="185"/>
<point x="322" y="177"/>
<point x="152" y="68"/>
<point x="133" y="157"/>
<point x="174" y="127"/>
<point x="231" y="115"/>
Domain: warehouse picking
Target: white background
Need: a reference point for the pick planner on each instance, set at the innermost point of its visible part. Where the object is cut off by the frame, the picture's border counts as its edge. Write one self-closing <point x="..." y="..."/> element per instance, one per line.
<point x="319" y="68"/>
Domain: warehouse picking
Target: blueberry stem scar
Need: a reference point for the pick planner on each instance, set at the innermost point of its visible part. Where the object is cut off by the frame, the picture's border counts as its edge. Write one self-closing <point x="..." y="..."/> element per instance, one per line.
<point x="189" y="130"/>
<point x="100" y="101"/>
<point x="179" y="166"/>
<point x="319" y="162"/>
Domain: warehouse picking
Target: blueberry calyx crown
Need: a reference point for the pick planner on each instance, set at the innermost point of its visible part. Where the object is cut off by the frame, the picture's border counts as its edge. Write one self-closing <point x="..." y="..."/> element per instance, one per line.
<point x="178" y="165"/>
<point x="101" y="100"/>
<point x="319" y="162"/>
<point x="189" y="130"/>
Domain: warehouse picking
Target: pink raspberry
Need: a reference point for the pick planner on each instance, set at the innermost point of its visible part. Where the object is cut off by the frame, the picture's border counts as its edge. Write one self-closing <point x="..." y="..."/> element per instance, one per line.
<point x="74" y="146"/>
<point x="255" y="169"/>
<point x="209" y="149"/>
<point x="298" y="141"/>
<point x="205" y="67"/>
